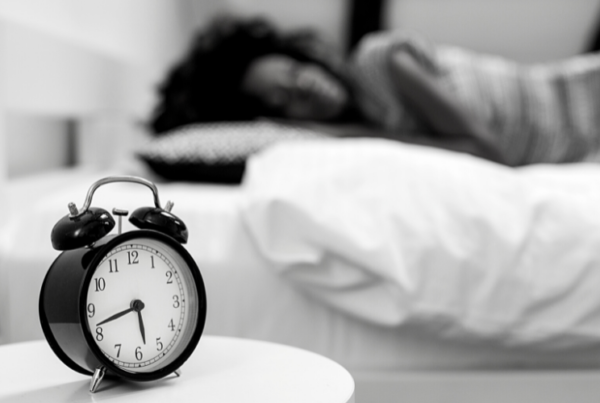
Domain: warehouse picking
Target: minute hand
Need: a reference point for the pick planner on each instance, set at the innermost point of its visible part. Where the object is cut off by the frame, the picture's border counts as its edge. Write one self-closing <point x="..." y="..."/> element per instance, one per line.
<point x="115" y="316"/>
<point x="142" y="330"/>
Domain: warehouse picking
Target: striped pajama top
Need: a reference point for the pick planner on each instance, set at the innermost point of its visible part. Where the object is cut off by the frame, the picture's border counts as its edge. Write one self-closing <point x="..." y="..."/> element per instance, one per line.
<point x="543" y="113"/>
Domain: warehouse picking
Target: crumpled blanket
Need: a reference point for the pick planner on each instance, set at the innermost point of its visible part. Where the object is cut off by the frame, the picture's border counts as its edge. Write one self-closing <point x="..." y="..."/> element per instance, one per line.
<point x="394" y="234"/>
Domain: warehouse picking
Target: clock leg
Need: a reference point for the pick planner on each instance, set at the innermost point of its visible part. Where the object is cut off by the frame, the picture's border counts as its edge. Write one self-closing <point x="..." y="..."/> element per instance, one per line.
<point x="177" y="372"/>
<point x="97" y="378"/>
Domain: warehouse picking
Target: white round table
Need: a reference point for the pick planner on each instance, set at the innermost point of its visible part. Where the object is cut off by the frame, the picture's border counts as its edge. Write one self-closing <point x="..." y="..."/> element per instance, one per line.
<point x="220" y="370"/>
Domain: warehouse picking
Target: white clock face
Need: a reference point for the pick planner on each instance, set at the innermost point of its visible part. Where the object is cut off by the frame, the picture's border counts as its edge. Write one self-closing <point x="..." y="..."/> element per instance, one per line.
<point x="142" y="305"/>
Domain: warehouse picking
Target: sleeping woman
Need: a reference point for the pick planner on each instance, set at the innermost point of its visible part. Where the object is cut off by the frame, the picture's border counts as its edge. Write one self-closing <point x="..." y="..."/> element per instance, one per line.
<point x="395" y="85"/>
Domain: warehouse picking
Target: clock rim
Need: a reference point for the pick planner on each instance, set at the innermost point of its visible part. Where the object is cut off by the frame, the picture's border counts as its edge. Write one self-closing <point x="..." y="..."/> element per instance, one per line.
<point x="47" y="330"/>
<point x="198" y="282"/>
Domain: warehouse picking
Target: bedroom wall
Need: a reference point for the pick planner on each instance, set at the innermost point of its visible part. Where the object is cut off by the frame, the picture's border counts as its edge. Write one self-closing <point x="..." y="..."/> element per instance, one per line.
<point x="524" y="30"/>
<point x="35" y="143"/>
<point x="93" y="63"/>
<point x="327" y="17"/>
<point x="45" y="83"/>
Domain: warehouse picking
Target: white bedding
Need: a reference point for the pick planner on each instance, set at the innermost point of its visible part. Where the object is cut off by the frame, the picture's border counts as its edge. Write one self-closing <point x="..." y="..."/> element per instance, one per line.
<point x="241" y="240"/>
<point x="396" y="234"/>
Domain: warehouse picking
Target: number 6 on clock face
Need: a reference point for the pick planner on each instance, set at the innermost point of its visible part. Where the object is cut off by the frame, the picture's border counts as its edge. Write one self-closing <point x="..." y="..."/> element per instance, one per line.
<point x="141" y="304"/>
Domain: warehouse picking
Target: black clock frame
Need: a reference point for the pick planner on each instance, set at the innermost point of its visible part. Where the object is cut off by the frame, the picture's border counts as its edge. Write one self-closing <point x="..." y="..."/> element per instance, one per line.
<point x="62" y="307"/>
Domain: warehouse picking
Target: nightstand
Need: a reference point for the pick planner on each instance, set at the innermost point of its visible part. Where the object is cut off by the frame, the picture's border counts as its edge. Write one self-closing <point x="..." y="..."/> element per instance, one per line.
<point x="220" y="370"/>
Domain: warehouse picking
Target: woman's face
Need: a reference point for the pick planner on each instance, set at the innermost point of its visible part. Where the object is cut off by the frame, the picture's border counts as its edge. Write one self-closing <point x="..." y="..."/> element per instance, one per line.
<point x="295" y="89"/>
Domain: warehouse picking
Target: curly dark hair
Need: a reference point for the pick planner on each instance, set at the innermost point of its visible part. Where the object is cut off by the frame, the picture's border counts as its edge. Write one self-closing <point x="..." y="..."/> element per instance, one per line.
<point x="205" y="85"/>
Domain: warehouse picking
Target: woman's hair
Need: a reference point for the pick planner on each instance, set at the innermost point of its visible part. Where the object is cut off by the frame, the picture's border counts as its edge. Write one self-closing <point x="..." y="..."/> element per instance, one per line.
<point x="206" y="84"/>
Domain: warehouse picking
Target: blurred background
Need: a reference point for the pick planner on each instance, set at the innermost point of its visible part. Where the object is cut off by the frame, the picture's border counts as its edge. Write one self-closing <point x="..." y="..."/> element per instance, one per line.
<point x="79" y="78"/>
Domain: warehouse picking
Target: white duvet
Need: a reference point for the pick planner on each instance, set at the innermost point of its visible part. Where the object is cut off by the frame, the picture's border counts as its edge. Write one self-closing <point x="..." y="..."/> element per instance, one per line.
<point x="396" y="234"/>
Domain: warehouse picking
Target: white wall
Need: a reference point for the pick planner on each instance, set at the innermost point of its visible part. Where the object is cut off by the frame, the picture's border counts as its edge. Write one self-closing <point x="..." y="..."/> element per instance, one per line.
<point x="46" y="81"/>
<point x="524" y="30"/>
<point x="328" y="17"/>
<point x="35" y="143"/>
<point x="94" y="62"/>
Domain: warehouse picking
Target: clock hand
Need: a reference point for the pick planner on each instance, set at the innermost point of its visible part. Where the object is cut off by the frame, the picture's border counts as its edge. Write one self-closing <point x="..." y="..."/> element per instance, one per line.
<point x="137" y="306"/>
<point x="115" y="316"/>
<point x="142" y="326"/>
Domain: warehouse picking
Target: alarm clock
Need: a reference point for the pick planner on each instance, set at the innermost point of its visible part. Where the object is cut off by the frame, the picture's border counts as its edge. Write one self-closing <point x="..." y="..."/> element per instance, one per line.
<point x="128" y="305"/>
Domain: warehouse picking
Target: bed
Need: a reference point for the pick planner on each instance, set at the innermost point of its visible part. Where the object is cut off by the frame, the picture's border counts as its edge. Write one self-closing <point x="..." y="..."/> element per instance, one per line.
<point x="431" y="276"/>
<point x="265" y="282"/>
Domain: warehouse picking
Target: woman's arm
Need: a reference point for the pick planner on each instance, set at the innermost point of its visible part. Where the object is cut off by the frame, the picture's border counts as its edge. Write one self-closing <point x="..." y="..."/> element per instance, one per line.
<point x="435" y="105"/>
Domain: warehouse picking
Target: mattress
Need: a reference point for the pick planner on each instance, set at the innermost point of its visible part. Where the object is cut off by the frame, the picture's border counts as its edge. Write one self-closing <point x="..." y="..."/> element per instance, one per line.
<point x="246" y="295"/>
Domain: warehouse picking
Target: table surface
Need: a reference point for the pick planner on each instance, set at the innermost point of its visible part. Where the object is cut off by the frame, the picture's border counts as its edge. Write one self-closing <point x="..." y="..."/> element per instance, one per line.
<point x="220" y="370"/>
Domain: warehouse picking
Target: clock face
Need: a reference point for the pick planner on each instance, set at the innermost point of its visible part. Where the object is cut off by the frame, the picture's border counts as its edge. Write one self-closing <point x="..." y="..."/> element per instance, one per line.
<point x="142" y="305"/>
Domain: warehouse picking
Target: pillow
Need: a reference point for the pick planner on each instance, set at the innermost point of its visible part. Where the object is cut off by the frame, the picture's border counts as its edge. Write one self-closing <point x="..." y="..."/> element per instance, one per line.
<point x="215" y="152"/>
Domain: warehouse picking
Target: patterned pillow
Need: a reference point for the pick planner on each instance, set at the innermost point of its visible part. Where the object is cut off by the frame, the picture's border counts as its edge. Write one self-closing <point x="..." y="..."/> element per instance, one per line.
<point x="215" y="152"/>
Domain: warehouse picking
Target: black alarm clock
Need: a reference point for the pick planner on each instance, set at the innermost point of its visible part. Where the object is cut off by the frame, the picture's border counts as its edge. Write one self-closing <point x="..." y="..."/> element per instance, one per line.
<point x="129" y="305"/>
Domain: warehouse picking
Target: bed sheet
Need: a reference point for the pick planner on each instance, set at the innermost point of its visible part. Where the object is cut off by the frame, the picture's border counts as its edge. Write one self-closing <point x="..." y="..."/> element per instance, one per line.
<point x="246" y="296"/>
